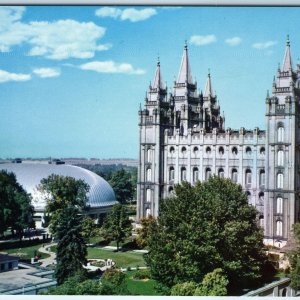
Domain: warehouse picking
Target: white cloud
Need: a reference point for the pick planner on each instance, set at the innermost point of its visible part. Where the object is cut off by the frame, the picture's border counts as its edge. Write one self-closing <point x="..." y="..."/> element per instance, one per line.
<point x="233" y="41"/>
<point x="46" y="72"/>
<point x="264" y="45"/>
<point x="6" y="76"/>
<point x="131" y="14"/>
<point x="111" y="67"/>
<point x="58" y="40"/>
<point x="201" y="40"/>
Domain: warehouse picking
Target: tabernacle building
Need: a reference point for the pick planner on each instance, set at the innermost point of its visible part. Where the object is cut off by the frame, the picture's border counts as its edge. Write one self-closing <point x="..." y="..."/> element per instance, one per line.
<point x="183" y="138"/>
<point x="100" y="197"/>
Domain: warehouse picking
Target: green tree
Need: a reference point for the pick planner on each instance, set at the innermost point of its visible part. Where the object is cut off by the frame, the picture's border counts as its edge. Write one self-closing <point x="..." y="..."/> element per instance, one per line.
<point x="113" y="282"/>
<point x="71" y="248"/>
<point x="294" y="258"/>
<point x="89" y="228"/>
<point x="184" y="289"/>
<point x="122" y="185"/>
<point x="117" y="226"/>
<point x="213" y="284"/>
<point x="61" y="192"/>
<point x="142" y="233"/>
<point x="16" y="210"/>
<point x="203" y="228"/>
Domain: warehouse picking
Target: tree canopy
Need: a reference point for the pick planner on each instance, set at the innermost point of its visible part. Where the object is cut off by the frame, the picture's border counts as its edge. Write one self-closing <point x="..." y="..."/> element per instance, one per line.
<point x="203" y="228"/>
<point x="117" y="225"/>
<point x="122" y="185"/>
<point x="16" y="211"/>
<point x="294" y="258"/>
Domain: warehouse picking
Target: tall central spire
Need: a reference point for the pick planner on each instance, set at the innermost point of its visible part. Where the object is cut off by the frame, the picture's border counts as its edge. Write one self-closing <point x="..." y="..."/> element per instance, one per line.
<point x="185" y="74"/>
<point x="287" y="61"/>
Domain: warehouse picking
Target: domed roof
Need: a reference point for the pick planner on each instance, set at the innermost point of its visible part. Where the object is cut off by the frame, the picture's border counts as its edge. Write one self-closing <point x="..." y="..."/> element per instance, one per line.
<point x="29" y="175"/>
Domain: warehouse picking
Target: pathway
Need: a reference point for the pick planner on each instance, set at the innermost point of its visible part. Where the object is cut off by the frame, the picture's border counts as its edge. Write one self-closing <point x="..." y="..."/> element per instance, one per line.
<point x="49" y="260"/>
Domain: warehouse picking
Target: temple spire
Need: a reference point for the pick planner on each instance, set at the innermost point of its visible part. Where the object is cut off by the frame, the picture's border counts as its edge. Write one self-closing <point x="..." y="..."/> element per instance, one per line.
<point x="208" y="87"/>
<point x="185" y="74"/>
<point x="287" y="61"/>
<point x="157" y="81"/>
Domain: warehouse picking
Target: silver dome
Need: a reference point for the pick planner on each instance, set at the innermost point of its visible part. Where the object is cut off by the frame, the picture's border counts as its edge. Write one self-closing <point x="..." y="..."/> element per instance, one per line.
<point x="29" y="175"/>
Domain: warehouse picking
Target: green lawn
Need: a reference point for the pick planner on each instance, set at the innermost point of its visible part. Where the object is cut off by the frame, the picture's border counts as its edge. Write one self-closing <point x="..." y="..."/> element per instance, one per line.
<point x="26" y="252"/>
<point x="140" y="287"/>
<point x="122" y="259"/>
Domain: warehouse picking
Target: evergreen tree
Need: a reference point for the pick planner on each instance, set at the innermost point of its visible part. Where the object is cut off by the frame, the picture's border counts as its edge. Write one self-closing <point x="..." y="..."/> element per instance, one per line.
<point x="71" y="248"/>
<point x="294" y="258"/>
<point x="203" y="228"/>
<point x="117" y="225"/>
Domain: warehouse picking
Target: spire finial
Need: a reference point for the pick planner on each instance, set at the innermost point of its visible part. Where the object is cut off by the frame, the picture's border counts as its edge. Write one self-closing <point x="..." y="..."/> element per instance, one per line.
<point x="208" y="72"/>
<point x="158" y="60"/>
<point x="268" y="95"/>
<point x="288" y="40"/>
<point x="185" y="45"/>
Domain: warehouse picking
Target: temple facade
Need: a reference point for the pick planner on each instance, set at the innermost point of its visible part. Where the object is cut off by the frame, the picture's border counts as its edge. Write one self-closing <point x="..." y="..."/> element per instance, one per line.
<point x="183" y="138"/>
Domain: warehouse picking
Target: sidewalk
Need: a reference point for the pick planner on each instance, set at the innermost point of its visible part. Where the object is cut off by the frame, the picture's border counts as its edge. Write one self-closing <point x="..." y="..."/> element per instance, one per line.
<point x="49" y="260"/>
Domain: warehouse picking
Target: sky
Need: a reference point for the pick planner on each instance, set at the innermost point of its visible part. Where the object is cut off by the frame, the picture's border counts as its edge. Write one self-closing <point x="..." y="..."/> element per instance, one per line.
<point x="72" y="78"/>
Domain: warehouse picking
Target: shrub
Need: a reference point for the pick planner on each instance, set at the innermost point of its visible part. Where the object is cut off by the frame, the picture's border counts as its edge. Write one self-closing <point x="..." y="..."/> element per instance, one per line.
<point x="141" y="274"/>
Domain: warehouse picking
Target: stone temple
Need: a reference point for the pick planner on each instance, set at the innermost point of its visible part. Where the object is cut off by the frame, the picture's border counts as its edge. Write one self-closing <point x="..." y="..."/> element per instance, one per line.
<point x="183" y="138"/>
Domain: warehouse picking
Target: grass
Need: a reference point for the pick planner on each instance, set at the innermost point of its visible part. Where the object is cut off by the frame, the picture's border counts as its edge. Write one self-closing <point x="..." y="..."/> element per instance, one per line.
<point x="140" y="287"/>
<point x="122" y="259"/>
<point x="26" y="252"/>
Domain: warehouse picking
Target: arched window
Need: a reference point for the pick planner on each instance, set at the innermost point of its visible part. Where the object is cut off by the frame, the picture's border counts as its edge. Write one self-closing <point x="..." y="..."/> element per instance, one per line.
<point x="195" y="174"/>
<point x="171" y="190"/>
<point x="183" y="174"/>
<point x="248" y="196"/>
<point x="234" y="151"/>
<point x="261" y="197"/>
<point x="171" y="173"/>
<point x="262" y="150"/>
<point x="196" y="150"/>
<point x="148" y="195"/>
<point x="148" y="212"/>
<point x="234" y="175"/>
<point x="262" y="177"/>
<point x="221" y="173"/>
<point x="172" y="150"/>
<point x="221" y="151"/>
<point x="149" y="174"/>
<point x="280" y="158"/>
<point x="183" y="150"/>
<point x="280" y="181"/>
<point x="261" y="221"/>
<point x="207" y="173"/>
<point x="279" y="228"/>
<point x="248" y="177"/>
<point x="208" y="150"/>
<point x="280" y="134"/>
<point x="279" y="205"/>
<point x="149" y="155"/>
<point x="248" y="151"/>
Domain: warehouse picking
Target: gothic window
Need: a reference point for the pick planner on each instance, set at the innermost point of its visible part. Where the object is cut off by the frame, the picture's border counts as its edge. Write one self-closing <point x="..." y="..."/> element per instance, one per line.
<point x="171" y="173"/>
<point x="248" y="151"/>
<point x="234" y="175"/>
<point x="149" y="155"/>
<point x="234" y="151"/>
<point x="262" y="151"/>
<point x="195" y="174"/>
<point x="280" y="158"/>
<point x="148" y="195"/>
<point x="248" y="177"/>
<point x="207" y="173"/>
<point x="279" y="205"/>
<point x="262" y="177"/>
<point x="183" y="174"/>
<point x="208" y="150"/>
<point x="261" y="221"/>
<point x="171" y="189"/>
<point x="280" y="181"/>
<point x="221" y="173"/>
<point x="149" y="174"/>
<point x="280" y="134"/>
<point x="148" y="212"/>
<point x="221" y="151"/>
<point x="183" y="150"/>
<point x="172" y="150"/>
<point x="248" y="196"/>
<point x="279" y="228"/>
<point x="196" y="150"/>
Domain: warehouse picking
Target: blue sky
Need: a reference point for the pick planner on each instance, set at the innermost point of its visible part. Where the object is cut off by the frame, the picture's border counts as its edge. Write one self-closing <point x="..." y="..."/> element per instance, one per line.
<point x="72" y="78"/>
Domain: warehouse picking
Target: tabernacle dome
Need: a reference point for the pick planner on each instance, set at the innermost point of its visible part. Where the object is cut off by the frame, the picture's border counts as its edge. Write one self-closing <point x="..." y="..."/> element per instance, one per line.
<point x="101" y="196"/>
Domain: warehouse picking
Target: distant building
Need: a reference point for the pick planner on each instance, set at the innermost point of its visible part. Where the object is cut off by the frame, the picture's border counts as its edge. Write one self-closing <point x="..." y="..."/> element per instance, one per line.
<point x="101" y="196"/>
<point x="183" y="138"/>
